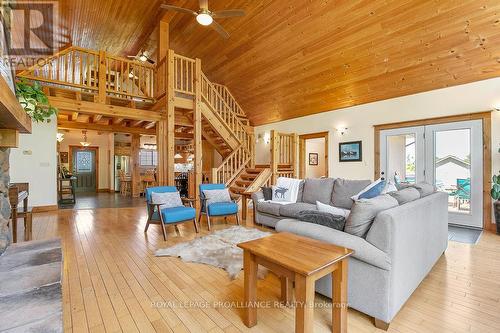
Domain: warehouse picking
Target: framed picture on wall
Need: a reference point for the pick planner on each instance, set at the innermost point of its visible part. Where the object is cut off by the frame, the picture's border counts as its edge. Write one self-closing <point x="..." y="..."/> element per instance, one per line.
<point x="313" y="158"/>
<point x="64" y="156"/>
<point x="350" y="151"/>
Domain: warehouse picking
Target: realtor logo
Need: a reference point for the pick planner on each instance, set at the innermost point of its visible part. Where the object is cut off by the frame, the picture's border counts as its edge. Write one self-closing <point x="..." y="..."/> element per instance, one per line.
<point x="29" y="29"/>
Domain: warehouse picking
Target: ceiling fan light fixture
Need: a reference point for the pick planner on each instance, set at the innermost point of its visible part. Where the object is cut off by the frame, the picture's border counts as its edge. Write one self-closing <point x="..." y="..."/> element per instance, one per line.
<point x="204" y="19"/>
<point x="143" y="57"/>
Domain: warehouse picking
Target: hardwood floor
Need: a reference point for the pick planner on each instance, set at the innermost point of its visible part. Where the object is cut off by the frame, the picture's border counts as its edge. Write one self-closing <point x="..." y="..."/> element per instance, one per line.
<point x="112" y="283"/>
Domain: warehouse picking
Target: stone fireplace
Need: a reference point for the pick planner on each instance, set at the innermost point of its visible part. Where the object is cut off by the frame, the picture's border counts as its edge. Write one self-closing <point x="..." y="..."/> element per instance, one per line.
<point x="4" y="199"/>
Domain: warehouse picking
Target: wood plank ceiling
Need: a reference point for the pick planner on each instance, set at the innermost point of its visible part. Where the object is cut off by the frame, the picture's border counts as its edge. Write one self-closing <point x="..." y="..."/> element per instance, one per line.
<point x="287" y="59"/>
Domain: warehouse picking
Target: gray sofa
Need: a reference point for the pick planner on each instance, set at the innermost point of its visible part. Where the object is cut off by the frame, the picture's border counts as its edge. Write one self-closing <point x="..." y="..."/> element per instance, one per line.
<point x="399" y="250"/>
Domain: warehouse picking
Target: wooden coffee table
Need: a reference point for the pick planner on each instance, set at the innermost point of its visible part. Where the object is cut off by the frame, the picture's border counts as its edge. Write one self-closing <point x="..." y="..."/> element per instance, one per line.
<point x="301" y="260"/>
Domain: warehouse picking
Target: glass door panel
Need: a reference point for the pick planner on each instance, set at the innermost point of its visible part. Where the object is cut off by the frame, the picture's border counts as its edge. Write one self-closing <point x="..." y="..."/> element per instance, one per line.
<point x="402" y="155"/>
<point x="455" y="165"/>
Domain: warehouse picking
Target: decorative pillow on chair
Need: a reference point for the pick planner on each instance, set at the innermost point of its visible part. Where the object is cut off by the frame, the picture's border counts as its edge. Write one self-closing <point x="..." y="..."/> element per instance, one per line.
<point x="214" y="196"/>
<point x="166" y="199"/>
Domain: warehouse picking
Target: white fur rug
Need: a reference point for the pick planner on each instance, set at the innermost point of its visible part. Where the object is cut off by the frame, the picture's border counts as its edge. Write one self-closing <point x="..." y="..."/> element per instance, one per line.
<point x="217" y="249"/>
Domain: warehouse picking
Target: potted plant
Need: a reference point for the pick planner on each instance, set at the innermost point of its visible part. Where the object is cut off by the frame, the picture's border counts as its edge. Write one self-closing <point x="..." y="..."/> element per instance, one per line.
<point x="34" y="101"/>
<point x="495" y="194"/>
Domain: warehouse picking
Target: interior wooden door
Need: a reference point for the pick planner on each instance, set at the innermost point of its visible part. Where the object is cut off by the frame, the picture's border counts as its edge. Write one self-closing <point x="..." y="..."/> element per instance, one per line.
<point x="84" y="163"/>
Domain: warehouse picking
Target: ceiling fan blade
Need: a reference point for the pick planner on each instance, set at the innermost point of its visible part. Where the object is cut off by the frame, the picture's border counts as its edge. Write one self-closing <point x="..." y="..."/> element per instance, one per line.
<point x="203" y="4"/>
<point x="179" y="9"/>
<point x="228" y="13"/>
<point x="217" y="27"/>
<point x="151" y="61"/>
<point x="132" y="57"/>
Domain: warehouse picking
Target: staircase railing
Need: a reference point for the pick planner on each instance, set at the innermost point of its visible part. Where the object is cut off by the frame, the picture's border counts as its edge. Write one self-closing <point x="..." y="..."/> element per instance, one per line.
<point x="231" y="166"/>
<point x="230" y="100"/>
<point x="82" y="69"/>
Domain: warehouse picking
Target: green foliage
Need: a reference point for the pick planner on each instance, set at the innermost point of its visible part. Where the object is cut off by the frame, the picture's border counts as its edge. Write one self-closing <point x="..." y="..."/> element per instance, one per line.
<point x="495" y="188"/>
<point x="34" y="101"/>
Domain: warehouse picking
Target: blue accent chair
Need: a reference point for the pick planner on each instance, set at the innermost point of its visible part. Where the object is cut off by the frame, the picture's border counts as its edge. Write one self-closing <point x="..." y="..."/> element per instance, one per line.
<point x="168" y="216"/>
<point x="219" y="208"/>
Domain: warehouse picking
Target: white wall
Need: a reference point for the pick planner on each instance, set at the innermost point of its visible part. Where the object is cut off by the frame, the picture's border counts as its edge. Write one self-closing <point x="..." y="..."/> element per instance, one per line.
<point x="468" y="98"/>
<point x="35" y="162"/>
<point x="315" y="146"/>
<point x="102" y="141"/>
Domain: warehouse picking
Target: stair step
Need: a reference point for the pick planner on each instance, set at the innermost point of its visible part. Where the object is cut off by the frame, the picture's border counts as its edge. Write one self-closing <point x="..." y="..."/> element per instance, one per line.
<point x="248" y="176"/>
<point x="237" y="189"/>
<point x="243" y="183"/>
<point x="255" y="170"/>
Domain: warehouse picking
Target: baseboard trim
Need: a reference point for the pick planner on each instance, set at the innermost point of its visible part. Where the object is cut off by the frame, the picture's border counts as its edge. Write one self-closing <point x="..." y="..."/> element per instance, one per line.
<point x="40" y="209"/>
<point x="105" y="190"/>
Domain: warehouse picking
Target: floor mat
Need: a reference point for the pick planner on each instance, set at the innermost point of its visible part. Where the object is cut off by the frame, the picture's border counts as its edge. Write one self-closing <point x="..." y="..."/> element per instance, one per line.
<point x="463" y="235"/>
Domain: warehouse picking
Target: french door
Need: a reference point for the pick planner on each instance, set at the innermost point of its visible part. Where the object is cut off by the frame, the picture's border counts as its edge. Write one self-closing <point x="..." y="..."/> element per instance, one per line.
<point x="447" y="155"/>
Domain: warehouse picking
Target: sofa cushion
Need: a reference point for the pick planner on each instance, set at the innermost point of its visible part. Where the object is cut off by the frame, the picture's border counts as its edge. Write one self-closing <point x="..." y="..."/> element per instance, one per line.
<point x="292" y="210"/>
<point x="363" y="250"/>
<point x="364" y="211"/>
<point x="405" y="195"/>
<point x="332" y="210"/>
<point x="222" y="208"/>
<point x="269" y="208"/>
<point x="322" y="218"/>
<point x="317" y="189"/>
<point x="344" y="189"/>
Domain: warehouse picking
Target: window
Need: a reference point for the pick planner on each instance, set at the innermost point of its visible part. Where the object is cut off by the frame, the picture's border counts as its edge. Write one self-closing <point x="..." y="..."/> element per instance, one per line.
<point x="148" y="157"/>
<point x="83" y="161"/>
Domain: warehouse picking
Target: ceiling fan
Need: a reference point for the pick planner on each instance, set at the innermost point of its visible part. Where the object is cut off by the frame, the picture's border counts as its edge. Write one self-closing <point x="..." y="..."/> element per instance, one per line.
<point x="205" y="17"/>
<point x="142" y="56"/>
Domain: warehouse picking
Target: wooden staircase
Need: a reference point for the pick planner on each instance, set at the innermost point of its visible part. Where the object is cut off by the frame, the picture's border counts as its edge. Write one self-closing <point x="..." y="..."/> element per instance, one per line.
<point x="97" y="77"/>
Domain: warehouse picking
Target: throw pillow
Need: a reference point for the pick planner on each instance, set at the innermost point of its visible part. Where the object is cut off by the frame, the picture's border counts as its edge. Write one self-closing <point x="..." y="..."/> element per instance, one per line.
<point x="332" y="210"/>
<point x="281" y="194"/>
<point x="167" y="199"/>
<point x="405" y="195"/>
<point x="371" y="191"/>
<point x="389" y="187"/>
<point x="214" y="196"/>
<point x="322" y="218"/>
<point x="267" y="192"/>
<point x="424" y="189"/>
<point x="364" y="211"/>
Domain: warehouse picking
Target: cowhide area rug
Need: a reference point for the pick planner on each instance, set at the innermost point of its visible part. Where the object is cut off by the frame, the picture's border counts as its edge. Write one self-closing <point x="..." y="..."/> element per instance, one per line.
<point x="217" y="249"/>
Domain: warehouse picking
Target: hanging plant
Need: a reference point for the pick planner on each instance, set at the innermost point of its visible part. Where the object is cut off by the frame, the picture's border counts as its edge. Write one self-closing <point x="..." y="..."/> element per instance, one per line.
<point x="34" y="101"/>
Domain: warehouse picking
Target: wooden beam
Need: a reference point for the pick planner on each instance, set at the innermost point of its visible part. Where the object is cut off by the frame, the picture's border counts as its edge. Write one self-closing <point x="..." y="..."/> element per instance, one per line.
<point x="274" y="155"/>
<point x="170" y="119"/>
<point x="12" y="115"/>
<point x="183" y="135"/>
<point x="96" y="118"/>
<point x="150" y="125"/>
<point x="116" y="121"/>
<point x="136" y="123"/>
<point x="74" y="116"/>
<point x="101" y="97"/>
<point x="134" y="156"/>
<point x="198" y="132"/>
<point x="92" y="108"/>
<point x="64" y="124"/>
<point x="9" y="138"/>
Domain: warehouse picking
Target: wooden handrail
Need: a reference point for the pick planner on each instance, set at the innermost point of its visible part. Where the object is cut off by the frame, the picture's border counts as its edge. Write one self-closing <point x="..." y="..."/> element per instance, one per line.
<point x="81" y="68"/>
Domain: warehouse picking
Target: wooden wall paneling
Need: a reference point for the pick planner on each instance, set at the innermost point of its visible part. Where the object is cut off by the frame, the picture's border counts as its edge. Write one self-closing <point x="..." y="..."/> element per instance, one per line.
<point x="198" y="148"/>
<point x="487" y="163"/>
<point x="135" y="164"/>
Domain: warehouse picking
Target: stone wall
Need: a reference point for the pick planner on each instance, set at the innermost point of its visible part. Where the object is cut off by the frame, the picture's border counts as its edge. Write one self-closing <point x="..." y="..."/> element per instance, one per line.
<point x="4" y="198"/>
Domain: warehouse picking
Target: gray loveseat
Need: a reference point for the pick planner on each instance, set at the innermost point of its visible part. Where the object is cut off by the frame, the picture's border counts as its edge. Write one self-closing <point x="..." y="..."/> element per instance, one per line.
<point x="399" y="250"/>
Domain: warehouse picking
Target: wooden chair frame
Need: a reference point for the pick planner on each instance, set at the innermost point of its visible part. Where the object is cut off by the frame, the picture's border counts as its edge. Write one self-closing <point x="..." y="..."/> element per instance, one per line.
<point x="151" y="211"/>
<point x="203" y="204"/>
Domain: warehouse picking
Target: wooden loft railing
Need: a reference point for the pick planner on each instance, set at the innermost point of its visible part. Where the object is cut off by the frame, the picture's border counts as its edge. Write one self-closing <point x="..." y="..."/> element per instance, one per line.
<point x="283" y="155"/>
<point x="84" y="69"/>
